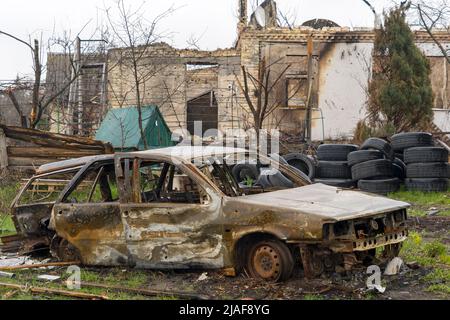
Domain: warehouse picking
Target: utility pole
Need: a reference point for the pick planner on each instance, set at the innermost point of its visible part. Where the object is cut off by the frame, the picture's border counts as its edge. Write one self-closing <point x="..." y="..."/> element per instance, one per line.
<point x="310" y="48"/>
<point x="79" y="87"/>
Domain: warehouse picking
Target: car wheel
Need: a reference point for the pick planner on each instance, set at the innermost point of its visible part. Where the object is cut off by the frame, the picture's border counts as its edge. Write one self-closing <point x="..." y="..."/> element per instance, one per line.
<point x="302" y="163"/>
<point x="270" y="260"/>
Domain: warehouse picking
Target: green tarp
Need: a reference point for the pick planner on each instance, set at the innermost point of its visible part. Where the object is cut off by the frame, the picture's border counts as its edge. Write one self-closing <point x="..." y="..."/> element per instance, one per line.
<point x="120" y="128"/>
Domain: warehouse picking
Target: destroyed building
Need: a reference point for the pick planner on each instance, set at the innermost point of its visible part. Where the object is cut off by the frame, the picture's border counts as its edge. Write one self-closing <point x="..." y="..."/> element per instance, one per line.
<point x="327" y="70"/>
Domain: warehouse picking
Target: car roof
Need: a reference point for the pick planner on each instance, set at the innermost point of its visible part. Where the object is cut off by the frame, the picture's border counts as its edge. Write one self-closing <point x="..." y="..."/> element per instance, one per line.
<point x="183" y="153"/>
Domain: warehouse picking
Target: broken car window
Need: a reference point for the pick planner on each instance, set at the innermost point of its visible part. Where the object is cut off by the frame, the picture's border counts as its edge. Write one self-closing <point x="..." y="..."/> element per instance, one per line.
<point x="98" y="185"/>
<point x="46" y="188"/>
<point x="163" y="182"/>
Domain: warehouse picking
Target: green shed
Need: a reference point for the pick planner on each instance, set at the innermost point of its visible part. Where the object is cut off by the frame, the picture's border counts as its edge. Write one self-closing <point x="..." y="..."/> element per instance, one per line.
<point x="120" y="128"/>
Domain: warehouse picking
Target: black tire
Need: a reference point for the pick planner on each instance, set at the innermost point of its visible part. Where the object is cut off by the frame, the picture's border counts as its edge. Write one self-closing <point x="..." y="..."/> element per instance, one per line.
<point x="279" y="180"/>
<point x="380" y="145"/>
<point x="428" y="170"/>
<point x="373" y="169"/>
<point x="379" y="186"/>
<point x="407" y="140"/>
<point x="335" y="152"/>
<point x="427" y="185"/>
<point x="242" y="170"/>
<point x="425" y="154"/>
<point x="363" y="156"/>
<point x="399" y="155"/>
<point x="333" y="170"/>
<point x="277" y="253"/>
<point x="277" y="157"/>
<point x="263" y="181"/>
<point x="340" y="183"/>
<point x="302" y="163"/>
<point x="399" y="169"/>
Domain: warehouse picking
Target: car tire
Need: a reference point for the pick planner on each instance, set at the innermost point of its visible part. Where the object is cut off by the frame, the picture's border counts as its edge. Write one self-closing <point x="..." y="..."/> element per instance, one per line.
<point x="333" y="170"/>
<point x="270" y="260"/>
<point x="340" y="183"/>
<point x="379" y="186"/>
<point x="277" y="157"/>
<point x="380" y="145"/>
<point x="373" y="169"/>
<point x="302" y="163"/>
<point x="425" y="154"/>
<point x="399" y="169"/>
<point x="242" y="170"/>
<point x="408" y="140"/>
<point x="363" y="156"/>
<point x="428" y="170"/>
<point x="427" y="185"/>
<point x="335" y="152"/>
<point x="279" y="180"/>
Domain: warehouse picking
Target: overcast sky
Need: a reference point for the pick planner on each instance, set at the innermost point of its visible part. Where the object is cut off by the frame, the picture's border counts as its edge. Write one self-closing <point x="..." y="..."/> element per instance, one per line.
<point x="213" y="21"/>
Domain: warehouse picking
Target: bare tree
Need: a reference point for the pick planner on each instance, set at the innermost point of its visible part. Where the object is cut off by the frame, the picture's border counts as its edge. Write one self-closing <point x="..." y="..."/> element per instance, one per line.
<point x="136" y="33"/>
<point x="40" y="102"/>
<point x="260" y="94"/>
<point x="431" y="15"/>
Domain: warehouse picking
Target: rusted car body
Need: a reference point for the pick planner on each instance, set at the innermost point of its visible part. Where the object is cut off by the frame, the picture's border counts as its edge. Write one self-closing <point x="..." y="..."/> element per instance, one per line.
<point x="181" y="208"/>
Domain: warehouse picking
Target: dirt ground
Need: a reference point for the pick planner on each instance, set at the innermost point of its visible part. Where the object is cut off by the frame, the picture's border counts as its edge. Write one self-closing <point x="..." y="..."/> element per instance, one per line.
<point x="410" y="283"/>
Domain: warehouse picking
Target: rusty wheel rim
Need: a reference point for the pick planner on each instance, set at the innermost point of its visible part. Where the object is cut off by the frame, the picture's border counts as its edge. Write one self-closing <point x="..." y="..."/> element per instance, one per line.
<point x="267" y="262"/>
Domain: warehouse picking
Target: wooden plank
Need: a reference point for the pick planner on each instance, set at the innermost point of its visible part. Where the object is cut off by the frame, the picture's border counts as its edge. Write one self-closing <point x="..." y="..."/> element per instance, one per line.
<point x="40" y="265"/>
<point x="42" y="290"/>
<point x="48" y="152"/>
<point x="147" y="292"/>
<point x="3" y="150"/>
<point x="23" y="161"/>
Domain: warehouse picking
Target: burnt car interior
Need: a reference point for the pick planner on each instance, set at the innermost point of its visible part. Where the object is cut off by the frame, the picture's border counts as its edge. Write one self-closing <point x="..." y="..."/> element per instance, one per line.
<point x="164" y="182"/>
<point x="219" y="170"/>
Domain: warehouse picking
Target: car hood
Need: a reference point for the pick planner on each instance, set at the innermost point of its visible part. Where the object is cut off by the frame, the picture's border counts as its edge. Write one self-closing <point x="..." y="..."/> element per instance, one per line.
<point x="326" y="202"/>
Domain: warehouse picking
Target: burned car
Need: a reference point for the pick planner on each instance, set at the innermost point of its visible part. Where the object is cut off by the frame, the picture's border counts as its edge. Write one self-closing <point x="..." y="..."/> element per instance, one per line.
<point x="181" y="207"/>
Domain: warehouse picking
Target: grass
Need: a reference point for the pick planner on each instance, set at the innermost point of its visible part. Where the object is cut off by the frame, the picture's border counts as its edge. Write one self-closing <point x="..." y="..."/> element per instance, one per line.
<point x="432" y="254"/>
<point x="112" y="276"/>
<point x="7" y="194"/>
<point x="424" y="201"/>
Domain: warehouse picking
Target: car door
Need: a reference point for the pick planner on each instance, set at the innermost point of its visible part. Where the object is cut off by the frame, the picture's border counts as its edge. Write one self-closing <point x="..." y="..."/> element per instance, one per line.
<point x="88" y="216"/>
<point x="166" y="225"/>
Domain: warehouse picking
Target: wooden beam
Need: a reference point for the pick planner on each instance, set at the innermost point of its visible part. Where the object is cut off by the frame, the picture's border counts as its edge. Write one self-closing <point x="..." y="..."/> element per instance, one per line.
<point x="59" y="292"/>
<point x="3" y="151"/>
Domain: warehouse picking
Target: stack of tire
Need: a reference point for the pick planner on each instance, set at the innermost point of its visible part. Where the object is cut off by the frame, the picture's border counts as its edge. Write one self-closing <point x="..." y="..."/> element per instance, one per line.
<point x="332" y="167"/>
<point x="375" y="167"/>
<point x="427" y="167"/>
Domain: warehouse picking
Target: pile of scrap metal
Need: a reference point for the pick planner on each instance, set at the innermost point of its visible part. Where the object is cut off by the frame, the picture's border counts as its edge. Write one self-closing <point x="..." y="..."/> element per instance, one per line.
<point x="23" y="149"/>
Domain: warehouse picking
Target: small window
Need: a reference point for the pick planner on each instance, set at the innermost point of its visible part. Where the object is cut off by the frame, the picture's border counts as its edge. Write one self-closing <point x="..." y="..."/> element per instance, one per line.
<point x="297" y="92"/>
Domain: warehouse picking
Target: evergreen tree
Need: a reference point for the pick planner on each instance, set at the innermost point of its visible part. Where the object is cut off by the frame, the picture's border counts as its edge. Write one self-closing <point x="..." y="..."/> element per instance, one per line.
<point x="400" y="92"/>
